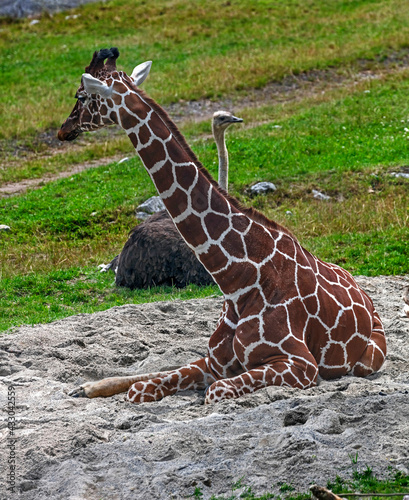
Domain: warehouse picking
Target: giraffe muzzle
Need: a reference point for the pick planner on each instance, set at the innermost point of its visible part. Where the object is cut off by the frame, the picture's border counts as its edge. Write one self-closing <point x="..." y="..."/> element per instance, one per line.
<point x="68" y="136"/>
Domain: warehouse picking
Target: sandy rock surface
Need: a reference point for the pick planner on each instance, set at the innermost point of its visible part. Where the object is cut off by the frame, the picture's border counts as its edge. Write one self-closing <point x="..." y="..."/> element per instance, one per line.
<point x="107" y="449"/>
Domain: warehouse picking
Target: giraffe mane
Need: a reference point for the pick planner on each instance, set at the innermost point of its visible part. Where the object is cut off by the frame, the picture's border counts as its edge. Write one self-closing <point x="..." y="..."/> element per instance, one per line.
<point x="98" y="58"/>
<point x="248" y="211"/>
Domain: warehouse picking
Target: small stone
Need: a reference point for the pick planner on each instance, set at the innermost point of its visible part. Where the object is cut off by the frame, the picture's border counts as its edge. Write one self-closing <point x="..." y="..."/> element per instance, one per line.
<point x="3" y="227"/>
<point x="103" y="268"/>
<point x="262" y="188"/>
<point x="400" y="174"/>
<point x="151" y="205"/>
<point x="142" y="215"/>
<point x="320" y="196"/>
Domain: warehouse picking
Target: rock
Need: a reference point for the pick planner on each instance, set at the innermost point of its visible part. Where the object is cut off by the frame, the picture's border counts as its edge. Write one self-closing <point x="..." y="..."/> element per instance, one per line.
<point x="405" y="175"/>
<point x="107" y="448"/>
<point x="3" y="227"/>
<point x="103" y="268"/>
<point x="262" y="188"/>
<point x="142" y="215"/>
<point x="25" y="8"/>
<point x="151" y="206"/>
<point x="320" y="196"/>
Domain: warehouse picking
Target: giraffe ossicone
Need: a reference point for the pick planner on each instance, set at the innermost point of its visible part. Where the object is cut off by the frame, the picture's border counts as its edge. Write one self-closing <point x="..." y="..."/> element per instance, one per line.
<point x="287" y="315"/>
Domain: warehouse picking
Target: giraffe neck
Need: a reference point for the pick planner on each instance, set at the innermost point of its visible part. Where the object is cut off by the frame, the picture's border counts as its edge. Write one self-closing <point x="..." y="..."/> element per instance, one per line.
<point x="201" y="213"/>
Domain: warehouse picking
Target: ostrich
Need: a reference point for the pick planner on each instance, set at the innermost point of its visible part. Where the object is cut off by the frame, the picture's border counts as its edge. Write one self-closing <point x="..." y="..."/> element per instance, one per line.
<point x="155" y="253"/>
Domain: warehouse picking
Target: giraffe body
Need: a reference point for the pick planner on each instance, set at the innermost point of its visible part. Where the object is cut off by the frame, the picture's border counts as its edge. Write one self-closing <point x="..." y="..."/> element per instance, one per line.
<point x="287" y="315"/>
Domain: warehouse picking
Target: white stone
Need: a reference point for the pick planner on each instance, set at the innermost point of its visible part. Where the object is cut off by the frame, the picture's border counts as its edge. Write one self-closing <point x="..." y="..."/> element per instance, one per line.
<point x="400" y="174"/>
<point x="151" y="205"/>
<point x="320" y="196"/>
<point x="263" y="187"/>
<point x="142" y="215"/>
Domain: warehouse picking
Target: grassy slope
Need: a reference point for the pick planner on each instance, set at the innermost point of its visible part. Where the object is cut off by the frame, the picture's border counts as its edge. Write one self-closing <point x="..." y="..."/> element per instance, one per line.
<point x="201" y="49"/>
<point x="343" y="142"/>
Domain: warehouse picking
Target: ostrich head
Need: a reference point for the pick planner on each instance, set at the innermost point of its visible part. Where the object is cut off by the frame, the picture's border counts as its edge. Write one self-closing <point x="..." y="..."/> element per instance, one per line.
<point x="222" y="120"/>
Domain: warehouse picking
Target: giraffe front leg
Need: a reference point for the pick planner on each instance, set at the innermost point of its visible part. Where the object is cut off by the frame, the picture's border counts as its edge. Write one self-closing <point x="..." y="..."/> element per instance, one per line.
<point x="193" y="376"/>
<point x="374" y="355"/>
<point x="281" y="373"/>
<point x="110" y="386"/>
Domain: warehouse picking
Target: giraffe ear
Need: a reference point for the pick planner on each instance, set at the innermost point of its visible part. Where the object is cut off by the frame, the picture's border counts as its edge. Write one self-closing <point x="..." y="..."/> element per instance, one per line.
<point x="140" y="73"/>
<point x="94" y="86"/>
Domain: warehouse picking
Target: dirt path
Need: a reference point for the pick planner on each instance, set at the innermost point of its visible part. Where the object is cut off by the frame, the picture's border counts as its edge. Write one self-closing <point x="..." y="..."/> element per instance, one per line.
<point x="15" y="188"/>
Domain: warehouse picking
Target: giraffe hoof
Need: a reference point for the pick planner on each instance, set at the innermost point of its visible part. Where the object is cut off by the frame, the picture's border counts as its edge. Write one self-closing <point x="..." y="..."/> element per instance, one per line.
<point x="220" y="390"/>
<point x="78" y="392"/>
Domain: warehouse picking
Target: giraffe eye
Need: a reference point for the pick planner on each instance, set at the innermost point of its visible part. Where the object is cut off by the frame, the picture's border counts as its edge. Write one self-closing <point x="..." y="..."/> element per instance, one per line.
<point x="82" y="99"/>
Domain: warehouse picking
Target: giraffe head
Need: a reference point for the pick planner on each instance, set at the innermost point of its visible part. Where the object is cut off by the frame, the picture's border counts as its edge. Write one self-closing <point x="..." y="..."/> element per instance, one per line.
<point x="100" y="94"/>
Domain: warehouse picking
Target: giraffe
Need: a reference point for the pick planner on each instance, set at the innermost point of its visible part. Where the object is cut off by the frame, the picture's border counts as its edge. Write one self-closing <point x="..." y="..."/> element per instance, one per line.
<point x="287" y="316"/>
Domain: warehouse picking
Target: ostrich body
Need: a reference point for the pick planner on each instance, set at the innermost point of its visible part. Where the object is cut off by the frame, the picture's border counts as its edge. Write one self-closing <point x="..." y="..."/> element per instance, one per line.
<point x="155" y="253"/>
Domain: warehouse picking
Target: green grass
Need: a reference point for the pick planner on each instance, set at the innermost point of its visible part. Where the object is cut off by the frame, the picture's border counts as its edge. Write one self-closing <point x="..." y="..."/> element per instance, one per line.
<point x="366" y="128"/>
<point x="42" y="298"/>
<point x="223" y="48"/>
<point x="342" y="136"/>
<point x="363" y="481"/>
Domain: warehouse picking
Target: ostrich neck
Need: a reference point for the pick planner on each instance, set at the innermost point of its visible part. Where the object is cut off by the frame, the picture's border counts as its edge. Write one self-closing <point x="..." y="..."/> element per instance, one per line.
<point x="202" y="215"/>
<point x="223" y="157"/>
